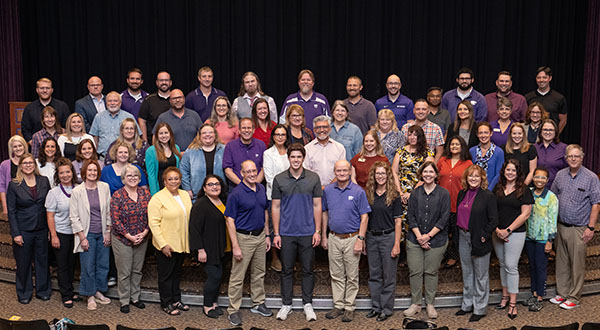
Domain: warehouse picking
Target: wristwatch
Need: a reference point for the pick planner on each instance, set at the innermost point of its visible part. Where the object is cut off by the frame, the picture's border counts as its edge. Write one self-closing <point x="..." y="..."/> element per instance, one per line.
<point x="318" y="232"/>
<point x="591" y="228"/>
<point x="508" y="231"/>
<point x="362" y="238"/>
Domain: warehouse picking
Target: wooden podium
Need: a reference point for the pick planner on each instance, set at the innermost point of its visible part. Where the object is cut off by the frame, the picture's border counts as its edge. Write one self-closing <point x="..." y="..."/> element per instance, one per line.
<point x="16" y="114"/>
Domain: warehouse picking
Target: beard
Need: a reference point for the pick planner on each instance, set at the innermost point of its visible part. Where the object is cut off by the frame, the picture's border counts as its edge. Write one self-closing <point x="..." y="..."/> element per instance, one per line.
<point x="464" y="89"/>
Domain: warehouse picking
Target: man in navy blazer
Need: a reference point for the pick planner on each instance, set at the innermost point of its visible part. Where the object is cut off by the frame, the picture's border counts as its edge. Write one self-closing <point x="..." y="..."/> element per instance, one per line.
<point x="91" y="104"/>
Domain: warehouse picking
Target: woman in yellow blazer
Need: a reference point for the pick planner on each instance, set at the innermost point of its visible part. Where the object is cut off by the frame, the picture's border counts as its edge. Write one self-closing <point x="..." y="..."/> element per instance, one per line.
<point x="168" y="219"/>
<point x="89" y="211"/>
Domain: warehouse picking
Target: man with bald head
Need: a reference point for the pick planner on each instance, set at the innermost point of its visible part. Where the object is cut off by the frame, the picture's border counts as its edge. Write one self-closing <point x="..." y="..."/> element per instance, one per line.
<point x="345" y="213"/>
<point x="93" y="103"/>
<point x="400" y="104"/>
<point x="31" y="121"/>
<point x="184" y="122"/>
<point x="106" y="126"/>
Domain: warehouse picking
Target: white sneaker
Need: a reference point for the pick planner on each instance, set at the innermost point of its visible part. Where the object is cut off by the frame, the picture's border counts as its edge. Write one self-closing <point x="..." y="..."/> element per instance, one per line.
<point x="557" y="300"/>
<point x="284" y="312"/>
<point x="309" y="312"/>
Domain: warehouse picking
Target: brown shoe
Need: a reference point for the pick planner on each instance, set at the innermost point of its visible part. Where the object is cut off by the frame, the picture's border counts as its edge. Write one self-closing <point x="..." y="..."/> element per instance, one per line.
<point x="348" y="316"/>
<point x="413" y="310"/>
<point x="334" y="313"/>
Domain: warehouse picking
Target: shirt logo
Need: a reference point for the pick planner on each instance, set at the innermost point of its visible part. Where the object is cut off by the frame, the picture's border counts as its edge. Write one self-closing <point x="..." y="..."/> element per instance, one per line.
<point x="473" y="102"/>
<point x="316" y="106"/>
<point x="256" y="155"/>
<point x="350" y="198"/>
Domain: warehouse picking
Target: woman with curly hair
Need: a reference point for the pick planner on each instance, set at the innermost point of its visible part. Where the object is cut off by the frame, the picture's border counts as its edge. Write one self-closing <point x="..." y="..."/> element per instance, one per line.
<point x="383" y="239"/>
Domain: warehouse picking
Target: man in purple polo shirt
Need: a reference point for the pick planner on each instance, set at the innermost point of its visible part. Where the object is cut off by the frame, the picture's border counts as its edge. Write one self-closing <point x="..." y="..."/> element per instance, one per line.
<point x="465" y="91"/>
<point x="314" y="104"/>
<point x="401" y="106"/>
<point x="134" y="95"/>
<point x="345" y="213"/>
<point x="202" y="98"/>
<point x="504" y="89"/>
<point x="361" y="111"/>
<point x="243" y="148"/>
<point x="247" y="224"/>
<point x="297" y="228"/>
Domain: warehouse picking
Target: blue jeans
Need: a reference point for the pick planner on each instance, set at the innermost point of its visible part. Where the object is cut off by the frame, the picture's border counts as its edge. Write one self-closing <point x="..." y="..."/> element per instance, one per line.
<point x="94" y="266"/>
<point x="538" y="264"/>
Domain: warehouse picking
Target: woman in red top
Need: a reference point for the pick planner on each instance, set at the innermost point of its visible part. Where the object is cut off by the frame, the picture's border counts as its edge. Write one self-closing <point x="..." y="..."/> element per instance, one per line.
<point x="263" y="125"/>
<point x="371" y="152"/>
<point x="454" y="161"/>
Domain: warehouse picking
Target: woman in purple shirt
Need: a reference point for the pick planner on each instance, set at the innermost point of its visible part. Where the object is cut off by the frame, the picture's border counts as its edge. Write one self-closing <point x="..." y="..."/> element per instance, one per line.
<point x="551" y="152"/>
<point x="476" y="218"/>
<point x="501" y="127"/>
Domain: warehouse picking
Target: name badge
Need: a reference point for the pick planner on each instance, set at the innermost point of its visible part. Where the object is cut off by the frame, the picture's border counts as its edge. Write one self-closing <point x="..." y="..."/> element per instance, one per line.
<point x="497" y="130"/>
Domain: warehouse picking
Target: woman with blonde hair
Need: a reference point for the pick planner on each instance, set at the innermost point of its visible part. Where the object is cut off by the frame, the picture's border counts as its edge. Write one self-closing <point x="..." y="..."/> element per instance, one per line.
<point x="17" y="146"/>
<point x="128" y="133"/>
<point x="224" y="120"/>
<point x="517" y="147"/>
<point x="162" y="154"/>
<point x="384" y="233"/>
<point x="123" y="154"/>
<point x="388" y="133"/>
<point x="296" y="125"/>
<point x="203" y="156"/>
<point x="25" y="198"/>
<point x="370" y="153"/>
<point x="74" y="134"/>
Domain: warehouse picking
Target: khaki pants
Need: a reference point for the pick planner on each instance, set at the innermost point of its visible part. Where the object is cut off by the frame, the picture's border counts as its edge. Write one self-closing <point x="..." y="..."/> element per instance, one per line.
<point x="423" y="268"/>
<point x="129" y="261"/>
<point x="570" y="262"/>
<point x="343" y="267"/>
<point x="253" y="255"/>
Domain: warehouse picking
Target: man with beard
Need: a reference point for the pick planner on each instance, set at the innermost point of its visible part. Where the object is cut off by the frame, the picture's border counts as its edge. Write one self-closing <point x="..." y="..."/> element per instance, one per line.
<point x="31" y="120"/>
<point x="437" y="114"/>
<point x="202" y="98"/>
<point x="504" y="89"/>
<point x="314" y="104"/>
<point x="401" y="106"/>
<point x="361" y="111"/>
<point x="93" y="103"/>
<point x="243" y="148"/>
<point x="554" y="102"/>
<point x="323" y="152"/>
<point x="154" y="105"/>
<point x="133" y="96"/>
<point x="250" y="91"/>
<point x="184" y="122"/>
<point x="106" y="126"/>
<point x="465" y="91"/>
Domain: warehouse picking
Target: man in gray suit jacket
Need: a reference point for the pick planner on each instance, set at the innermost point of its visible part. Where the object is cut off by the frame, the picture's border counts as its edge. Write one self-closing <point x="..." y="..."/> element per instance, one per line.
<point x="91" y="104"/>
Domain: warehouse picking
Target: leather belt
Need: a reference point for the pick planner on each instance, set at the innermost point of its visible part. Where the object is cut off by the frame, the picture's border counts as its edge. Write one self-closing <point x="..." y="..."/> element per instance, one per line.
<point x="382" y="232"/>
<point x="348" y="235"/>
<point x="250" y="232"/>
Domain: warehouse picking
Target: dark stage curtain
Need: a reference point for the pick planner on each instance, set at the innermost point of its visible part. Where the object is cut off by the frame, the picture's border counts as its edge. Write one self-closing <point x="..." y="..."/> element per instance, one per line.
<point x="590" y="123"/>
<point x="425" y="42"/>
<point x="11" y="73"/>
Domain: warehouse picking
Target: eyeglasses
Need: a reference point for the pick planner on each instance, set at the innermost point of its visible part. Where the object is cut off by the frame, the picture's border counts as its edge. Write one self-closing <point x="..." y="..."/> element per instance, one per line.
<point x="393" y="84"/>
<point x="28" y="163"/>
<point x="540" y="177"/>
<point x="547" y="129"/>
<point x="296" y="115"/>
<point x="321" y="127"/>
<point x="132" y="176"/>
<point x="213" y="184"/>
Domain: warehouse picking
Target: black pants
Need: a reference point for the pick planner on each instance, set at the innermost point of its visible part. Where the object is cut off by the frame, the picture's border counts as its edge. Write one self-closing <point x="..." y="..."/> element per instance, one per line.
<point x="212" y="285"/>
<point x="65" y="259"/>
<point x="169" y="276"/>
<point x="35" y="248"/>
<point x="291" y="248"/>
<point x="452" y="251"/>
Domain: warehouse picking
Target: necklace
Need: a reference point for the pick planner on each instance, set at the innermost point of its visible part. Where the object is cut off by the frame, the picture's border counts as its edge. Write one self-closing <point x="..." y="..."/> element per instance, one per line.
<point x="64" y="191"/>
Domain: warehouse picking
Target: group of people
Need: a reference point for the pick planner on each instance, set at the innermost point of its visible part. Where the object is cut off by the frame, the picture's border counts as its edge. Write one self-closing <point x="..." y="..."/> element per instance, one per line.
<point x="449" y="177"/>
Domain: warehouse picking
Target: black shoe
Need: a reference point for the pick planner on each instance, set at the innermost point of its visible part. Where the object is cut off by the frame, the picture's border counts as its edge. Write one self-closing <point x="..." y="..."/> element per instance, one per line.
<point x="505" y="301"/>
<point x="139" y="304"/>
<point x="475" y="317"/>
<point x="461" y="312"/>
<point x="44" y="298"/>
<point x="512" y="308"/>
<point x="235" y="319"/>
<point x="68" y="304"/>
<point x="124" y="309"/>
<point x="261" y="310"/>
<point x="24" y="301"/>
<point x="372" y="313"/>
<point x="77" y="298"/>
<point x="382" y="317"/>
<point x="213" y="314"/>
<point x="219" y="310"/>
